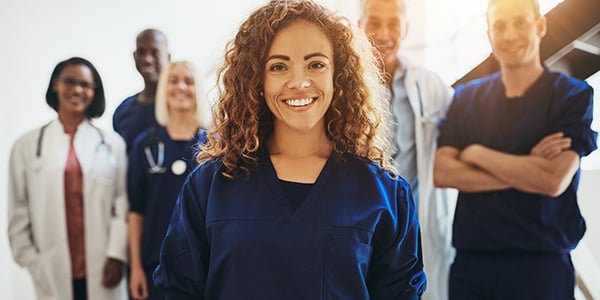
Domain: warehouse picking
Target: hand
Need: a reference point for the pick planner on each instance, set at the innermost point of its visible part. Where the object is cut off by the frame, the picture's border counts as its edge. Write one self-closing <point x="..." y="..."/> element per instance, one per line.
<point x="468" y="154"/>
<point x="137" y="283"/>
<point x="112" y="272"/>
<point x="551" y="145"/>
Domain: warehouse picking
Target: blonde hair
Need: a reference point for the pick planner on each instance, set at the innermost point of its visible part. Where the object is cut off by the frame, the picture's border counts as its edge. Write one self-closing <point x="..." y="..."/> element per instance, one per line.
<point x="161" y="108"/>
<point x="357" y="120"/>
<point x="535" y="6"/>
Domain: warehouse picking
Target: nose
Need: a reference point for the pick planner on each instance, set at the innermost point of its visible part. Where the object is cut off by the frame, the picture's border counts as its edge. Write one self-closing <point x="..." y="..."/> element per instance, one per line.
<point x="384" y="33"/>
<point x="299" y="80"/>
<point x="78" y="88"/>
<point x="148" y="57"/>
<point x="182" y="85"/>
<point x="510" y="33"/>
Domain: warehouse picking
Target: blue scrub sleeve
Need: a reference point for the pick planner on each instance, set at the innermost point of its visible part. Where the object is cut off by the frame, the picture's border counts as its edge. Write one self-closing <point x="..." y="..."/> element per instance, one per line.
<point x="137" y="181"/>
<point x="576" y="119"/>
<point x="450" y="132"/>
<point x="183" y="266"/>
<point x="396" y="271"/>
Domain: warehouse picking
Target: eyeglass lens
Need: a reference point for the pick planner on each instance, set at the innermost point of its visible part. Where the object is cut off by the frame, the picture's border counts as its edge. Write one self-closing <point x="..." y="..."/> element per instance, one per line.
<point x="74" y="82"/>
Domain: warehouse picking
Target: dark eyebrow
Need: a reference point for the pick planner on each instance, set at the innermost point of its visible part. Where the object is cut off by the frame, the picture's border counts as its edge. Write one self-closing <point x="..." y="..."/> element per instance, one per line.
<point x="278" y="56"/>
<point x="306" y="57"/>
<point x="309" y="56"/>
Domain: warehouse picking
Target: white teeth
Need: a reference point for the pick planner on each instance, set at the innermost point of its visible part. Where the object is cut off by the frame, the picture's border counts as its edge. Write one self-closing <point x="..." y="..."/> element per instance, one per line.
<point x="299" y="102"/>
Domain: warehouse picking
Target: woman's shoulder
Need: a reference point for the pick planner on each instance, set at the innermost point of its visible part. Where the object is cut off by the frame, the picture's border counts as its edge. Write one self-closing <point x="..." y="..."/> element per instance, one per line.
<point x="32" y="135"/>
<point x="208" y="169"/>
<point x="363" y="166"/>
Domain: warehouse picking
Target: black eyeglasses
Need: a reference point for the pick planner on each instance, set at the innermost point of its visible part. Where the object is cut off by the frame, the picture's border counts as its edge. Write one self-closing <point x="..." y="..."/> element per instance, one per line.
<point x="72" y="82"/>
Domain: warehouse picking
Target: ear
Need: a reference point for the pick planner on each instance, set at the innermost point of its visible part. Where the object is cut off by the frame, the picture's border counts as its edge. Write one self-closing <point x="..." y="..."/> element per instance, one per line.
<point x="542" y="26"/>
<point x="404" y="30"/>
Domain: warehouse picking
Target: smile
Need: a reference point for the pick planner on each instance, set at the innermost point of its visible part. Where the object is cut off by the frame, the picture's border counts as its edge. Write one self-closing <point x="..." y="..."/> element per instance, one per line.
<point x="299" y="102"/>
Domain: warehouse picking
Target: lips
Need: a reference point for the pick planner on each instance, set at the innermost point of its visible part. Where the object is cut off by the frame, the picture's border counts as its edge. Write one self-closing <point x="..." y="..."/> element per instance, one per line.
<point x="76" y="99"/>
<point x="299" y="102"/>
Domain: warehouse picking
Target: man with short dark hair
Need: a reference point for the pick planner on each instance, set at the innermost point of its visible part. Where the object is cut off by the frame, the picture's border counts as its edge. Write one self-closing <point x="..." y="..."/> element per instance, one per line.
<point x="512" y="144"/>
<point x="136" y="112"/>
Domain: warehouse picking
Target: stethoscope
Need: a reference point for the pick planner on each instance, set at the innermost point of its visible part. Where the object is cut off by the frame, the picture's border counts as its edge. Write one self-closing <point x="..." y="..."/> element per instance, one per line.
<point x="38" y="151"/>
<point x="157" y="166"/>
<point x="423" y="120"/>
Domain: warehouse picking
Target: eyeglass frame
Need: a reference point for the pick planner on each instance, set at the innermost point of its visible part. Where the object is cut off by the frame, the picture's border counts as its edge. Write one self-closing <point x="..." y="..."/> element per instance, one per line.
<point x="72" y="82"/>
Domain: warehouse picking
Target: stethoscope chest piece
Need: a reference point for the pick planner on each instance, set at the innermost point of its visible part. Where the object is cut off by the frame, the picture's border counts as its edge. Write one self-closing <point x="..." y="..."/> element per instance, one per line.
<point x="178" y="167"/>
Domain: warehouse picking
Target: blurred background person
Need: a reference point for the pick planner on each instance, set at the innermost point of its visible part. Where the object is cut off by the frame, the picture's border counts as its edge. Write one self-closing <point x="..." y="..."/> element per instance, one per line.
<point x="159" y="161"/>
<point x="418" y="102"/>
<point x="67" y="197"/>
<point x="512" y="144"/>
<point x="136" y="113"/>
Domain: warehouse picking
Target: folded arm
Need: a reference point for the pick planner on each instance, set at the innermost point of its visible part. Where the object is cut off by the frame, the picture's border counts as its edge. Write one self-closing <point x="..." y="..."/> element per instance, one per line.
<point x="450" y="171"/>
<point x="528" y="173"/>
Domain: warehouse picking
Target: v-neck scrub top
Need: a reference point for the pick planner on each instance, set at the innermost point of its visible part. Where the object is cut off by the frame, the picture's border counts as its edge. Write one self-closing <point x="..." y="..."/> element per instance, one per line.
<point x="153" y="195"/>
<point x="355" y="236"/>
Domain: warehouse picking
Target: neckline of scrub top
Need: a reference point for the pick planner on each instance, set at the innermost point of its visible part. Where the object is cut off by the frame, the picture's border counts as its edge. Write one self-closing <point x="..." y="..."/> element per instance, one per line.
<point x="288" y="214"/>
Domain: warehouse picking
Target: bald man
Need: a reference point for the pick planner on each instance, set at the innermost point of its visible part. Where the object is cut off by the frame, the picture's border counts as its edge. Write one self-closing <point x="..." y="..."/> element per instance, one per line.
<point x="136" y="112"/>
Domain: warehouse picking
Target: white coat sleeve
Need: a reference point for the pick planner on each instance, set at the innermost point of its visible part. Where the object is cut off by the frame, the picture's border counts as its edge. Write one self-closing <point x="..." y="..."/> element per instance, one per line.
<point x="117" y="240"/>
<point x="20" y="233"/>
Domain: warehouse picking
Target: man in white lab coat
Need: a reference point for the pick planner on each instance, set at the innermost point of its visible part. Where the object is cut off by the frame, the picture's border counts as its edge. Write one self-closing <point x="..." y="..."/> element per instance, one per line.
<point x="419" y="101"/>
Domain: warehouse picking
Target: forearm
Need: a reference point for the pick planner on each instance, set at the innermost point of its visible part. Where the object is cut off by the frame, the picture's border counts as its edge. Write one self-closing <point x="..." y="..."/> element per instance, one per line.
<point x="450" y="172"/>
<point x="528" y="173"/>
<point x="135" y="227"/>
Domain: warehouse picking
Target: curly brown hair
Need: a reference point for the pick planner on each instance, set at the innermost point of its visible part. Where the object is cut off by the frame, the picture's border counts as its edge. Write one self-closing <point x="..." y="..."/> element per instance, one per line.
<point x="356" y="121"/>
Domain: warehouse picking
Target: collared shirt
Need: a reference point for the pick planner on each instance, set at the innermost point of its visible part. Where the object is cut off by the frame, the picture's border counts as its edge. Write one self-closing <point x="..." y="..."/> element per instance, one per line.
<point x="403" y="131"/>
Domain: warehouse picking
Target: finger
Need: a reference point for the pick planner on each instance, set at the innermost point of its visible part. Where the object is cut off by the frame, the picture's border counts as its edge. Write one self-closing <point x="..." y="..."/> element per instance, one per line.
<point x="556" y="149"/>
<point x="135" y="292"/>
<point x="144" y="291"/>
<point x="551" y="145"/>
<point x="553" y="136"/>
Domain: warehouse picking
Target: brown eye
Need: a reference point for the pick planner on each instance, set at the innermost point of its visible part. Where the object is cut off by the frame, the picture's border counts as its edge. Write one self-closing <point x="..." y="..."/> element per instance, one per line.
<point x="277" y="67"/>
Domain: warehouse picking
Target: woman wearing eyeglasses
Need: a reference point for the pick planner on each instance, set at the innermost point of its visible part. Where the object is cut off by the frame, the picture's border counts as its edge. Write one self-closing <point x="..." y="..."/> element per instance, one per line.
<point x="67" y="197"/>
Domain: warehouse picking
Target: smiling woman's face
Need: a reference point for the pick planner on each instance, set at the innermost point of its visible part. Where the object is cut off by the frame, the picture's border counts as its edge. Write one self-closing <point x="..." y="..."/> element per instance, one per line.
<point x="298" y="79"/>
<point x="74" y="88"/>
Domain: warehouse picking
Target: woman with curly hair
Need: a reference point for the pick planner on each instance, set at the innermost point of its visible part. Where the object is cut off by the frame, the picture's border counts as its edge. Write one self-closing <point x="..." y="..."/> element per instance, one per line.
<point x="295" y="197"/>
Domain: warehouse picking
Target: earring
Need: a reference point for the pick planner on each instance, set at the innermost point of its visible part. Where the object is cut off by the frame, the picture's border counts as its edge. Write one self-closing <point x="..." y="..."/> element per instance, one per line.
<point x="262" y="94"/>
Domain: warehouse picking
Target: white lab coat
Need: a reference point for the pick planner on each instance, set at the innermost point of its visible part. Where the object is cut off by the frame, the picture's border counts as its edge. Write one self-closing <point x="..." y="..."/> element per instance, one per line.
<point x="430" y="98"/>
<point x="36" y="212"/>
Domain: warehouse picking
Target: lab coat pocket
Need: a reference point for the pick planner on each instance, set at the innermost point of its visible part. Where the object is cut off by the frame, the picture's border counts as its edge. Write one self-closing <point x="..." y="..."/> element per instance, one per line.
<point x="346" y="268"/>
<point x="41" y="276"/>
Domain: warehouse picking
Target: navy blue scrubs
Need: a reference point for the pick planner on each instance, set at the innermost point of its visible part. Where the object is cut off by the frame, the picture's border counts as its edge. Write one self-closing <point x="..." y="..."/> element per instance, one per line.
<point x="495" y="233"/>
<point x="354" y="236"/>
<point x="132" y="117"/>
<point x="153" y="195"/>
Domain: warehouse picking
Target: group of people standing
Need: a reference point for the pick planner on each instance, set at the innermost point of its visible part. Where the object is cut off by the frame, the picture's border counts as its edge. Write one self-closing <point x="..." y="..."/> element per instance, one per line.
<point x="321" y="176"/>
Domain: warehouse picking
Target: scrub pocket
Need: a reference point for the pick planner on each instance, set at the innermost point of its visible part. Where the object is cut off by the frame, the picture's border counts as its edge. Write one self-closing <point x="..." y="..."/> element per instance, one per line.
<point x="346" y="267"/>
